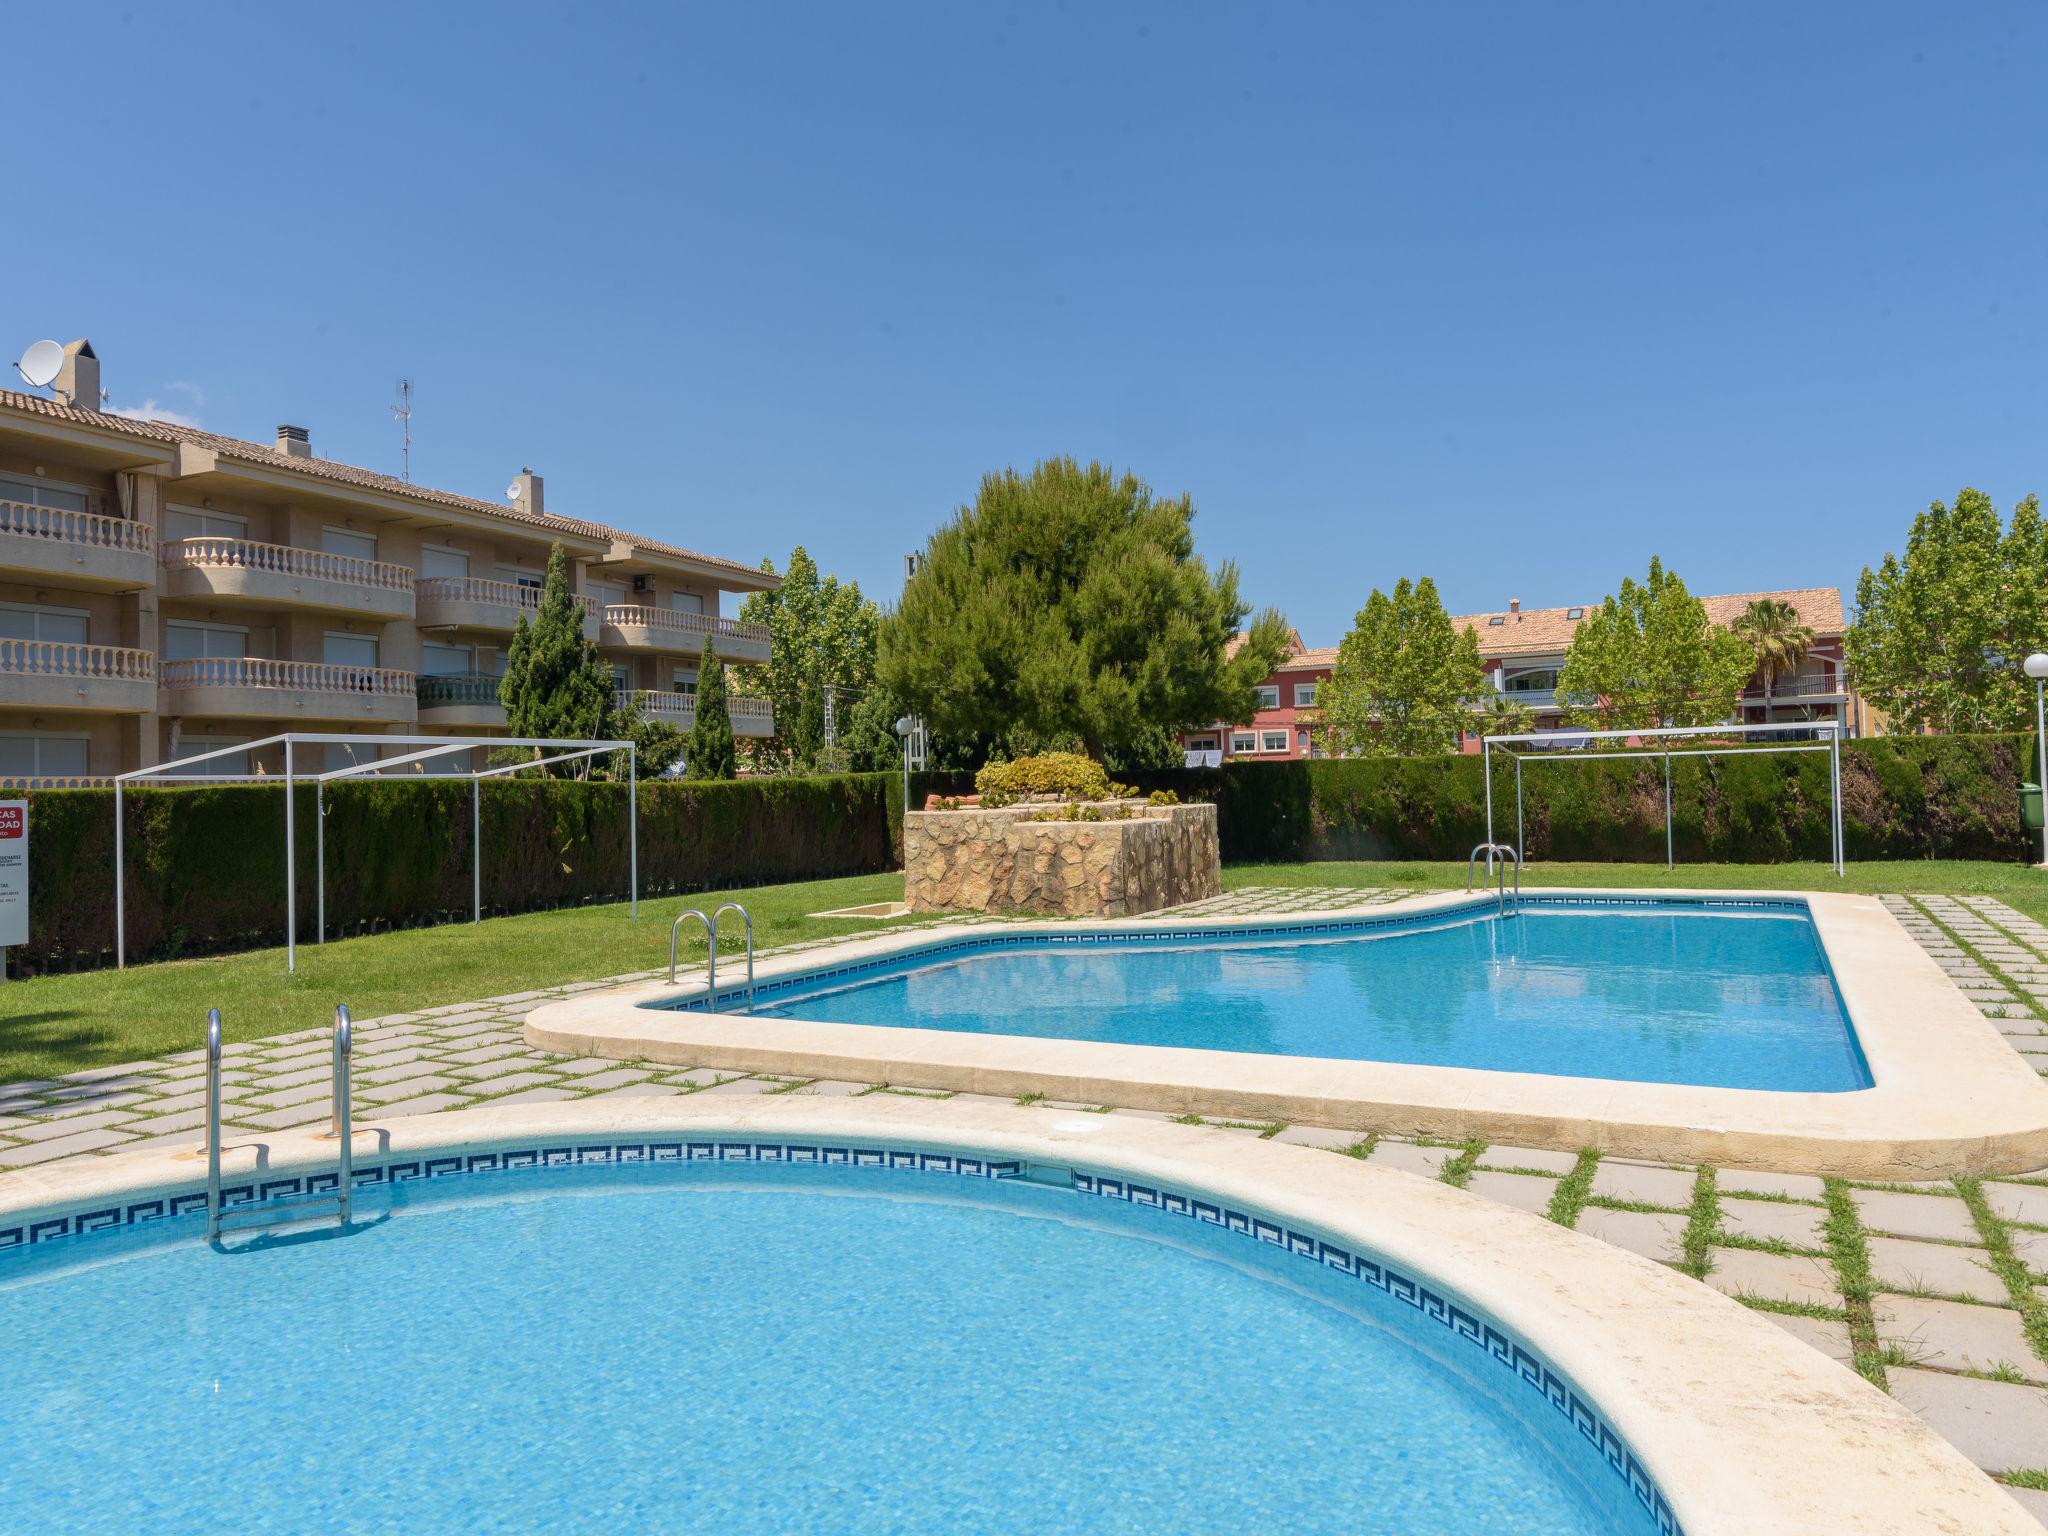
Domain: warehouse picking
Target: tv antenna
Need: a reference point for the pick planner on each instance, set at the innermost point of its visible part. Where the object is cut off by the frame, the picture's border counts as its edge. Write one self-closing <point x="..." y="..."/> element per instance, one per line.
<point x="41" y="363"/>
<point x="401" y="408"/>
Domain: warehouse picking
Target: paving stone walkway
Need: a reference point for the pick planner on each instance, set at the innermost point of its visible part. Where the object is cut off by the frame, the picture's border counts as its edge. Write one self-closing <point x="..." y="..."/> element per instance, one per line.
<point x="1937" y="1292"/>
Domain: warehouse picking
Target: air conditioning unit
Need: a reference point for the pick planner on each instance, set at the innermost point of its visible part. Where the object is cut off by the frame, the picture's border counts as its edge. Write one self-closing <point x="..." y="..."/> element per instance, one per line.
<point x="641" y="583"/>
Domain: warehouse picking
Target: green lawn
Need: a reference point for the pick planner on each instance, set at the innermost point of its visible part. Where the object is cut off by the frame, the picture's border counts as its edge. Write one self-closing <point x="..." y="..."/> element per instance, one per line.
<point x="64" y="1023"/>
<point x="57" y="1024"/>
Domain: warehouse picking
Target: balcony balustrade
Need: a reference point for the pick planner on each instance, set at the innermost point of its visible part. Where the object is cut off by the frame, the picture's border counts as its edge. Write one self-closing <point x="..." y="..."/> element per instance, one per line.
<point x="676" y="633"/>
<point x="58" y="675"/>
<point x="241" y="571"/>
<point x="256" y="687"/>
<point x="80" y="549"/>
<point x="751" y="716"/>
<point x="460" y="698"/>
<point x="476" y="602"/>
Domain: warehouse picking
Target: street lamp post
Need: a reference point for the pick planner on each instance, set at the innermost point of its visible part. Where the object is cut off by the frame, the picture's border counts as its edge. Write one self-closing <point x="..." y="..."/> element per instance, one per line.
<point x="2037" y="668"/>
<point x="907" y="724"/>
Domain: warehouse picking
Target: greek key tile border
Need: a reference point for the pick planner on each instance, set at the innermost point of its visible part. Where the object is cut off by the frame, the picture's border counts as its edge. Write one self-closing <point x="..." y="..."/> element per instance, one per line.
<point x="1503" y="1349"/>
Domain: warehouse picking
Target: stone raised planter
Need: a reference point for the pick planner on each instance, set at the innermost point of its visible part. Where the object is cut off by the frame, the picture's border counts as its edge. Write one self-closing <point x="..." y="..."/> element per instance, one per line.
<point x="1004" y="861"/>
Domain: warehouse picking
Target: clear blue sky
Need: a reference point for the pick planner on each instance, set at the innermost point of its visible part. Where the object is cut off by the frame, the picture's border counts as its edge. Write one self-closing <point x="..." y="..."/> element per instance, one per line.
<point x="1513" y="296"/>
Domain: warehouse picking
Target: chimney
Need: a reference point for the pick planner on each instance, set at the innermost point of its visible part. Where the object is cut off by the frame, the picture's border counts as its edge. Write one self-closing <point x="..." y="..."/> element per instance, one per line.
<point x="526" y="493"/>
<point x="78" y="380"/>
<point x="293" y="441"/>
<point x="1514" y="605"/>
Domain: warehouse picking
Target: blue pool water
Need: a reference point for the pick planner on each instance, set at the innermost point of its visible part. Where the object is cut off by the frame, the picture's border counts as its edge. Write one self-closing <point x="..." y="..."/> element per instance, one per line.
<point x="753" y="1348"/>
<point x="1734" y="995"/>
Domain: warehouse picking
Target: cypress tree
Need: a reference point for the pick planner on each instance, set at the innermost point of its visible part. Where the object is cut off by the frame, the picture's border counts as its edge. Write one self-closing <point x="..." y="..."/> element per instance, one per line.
<point x="554" y="683"/>
<point x="710" y="754"/>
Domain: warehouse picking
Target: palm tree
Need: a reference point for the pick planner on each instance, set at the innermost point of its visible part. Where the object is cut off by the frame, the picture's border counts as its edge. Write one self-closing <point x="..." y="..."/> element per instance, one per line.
<point x="1771" y="627"/>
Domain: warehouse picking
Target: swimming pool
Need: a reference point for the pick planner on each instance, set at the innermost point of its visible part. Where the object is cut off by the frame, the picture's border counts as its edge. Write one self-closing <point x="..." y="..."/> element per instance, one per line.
<point x="722" y="1334"/>
<point x="1709" y="993"/>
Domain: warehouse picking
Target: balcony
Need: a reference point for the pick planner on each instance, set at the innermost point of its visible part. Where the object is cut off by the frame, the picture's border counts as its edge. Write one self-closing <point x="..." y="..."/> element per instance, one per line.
<point x="76" y="549"/>
<point x="239" y="572"/>
<point x="1538" y="699"/>
<point x="750" y="716"/>
<point x="470" y="602"/>
<point x="255" y="688"/>
<point x="460" y="698"/>
<point x="673" y="633"/>
<point x="60" y="677"/>
<point x="1807" y="686"/>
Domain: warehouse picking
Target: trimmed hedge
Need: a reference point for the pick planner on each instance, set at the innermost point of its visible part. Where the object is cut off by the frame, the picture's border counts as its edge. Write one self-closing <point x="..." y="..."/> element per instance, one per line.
<point x="1904" y="797"/>
<point x="206" y="863"/>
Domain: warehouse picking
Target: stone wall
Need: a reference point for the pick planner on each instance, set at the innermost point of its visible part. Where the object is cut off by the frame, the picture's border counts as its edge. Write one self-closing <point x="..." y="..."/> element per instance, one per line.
<point x="1003" y="861"/>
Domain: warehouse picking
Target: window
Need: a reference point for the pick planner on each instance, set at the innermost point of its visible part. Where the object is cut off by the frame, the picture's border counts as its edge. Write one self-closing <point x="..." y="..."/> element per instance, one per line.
<point x="23" y="756"/>
<point x="519" y="576"/>
<point x="1243" y="741"/>
<point x="192" y="523"/>
<point x="1201" y="744"/>
<point x="1495" y="622"/>
<point x="24" y="621"/>
<point x="342" y="541"/>
<point x="1304" y="695"/>
<point x="436" y="561"/>
<point x="607" y="593"/>
<point x="686" y="681"/>
<point x="686" y="602"/>
<point x="1575" y="613"/>
<point x="214" y="767"/>
<point x="437" y="660"/>
<point x="40" y="493"/>
<point x="1272" y="741"/>
<point x="1308" y="747"/>
<point x="339" y="650"/>
<point x="1269" y="695"/>
<point x="185" y="640"/>
<point x="619" y="678"/>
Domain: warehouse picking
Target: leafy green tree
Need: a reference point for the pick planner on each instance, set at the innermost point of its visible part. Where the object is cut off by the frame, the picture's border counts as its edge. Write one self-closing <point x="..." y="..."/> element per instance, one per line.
<point x="709" y="753"/>
<point x="1070" y="603"/>
<point x="1406" y="678"/>
<point x="1648" y="657"/>
<point x="1939" y="636"/>
<point x="1770" y="627"/>
<point x="821" y="634"/>
<point x="554" y="684"/>
<point x="658" y="745"/>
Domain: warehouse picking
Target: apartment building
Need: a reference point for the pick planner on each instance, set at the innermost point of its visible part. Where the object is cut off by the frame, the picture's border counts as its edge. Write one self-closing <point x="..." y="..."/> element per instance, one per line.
<point x="1523" y="650"/>
<point x="1282" y="725"/>
<point x="166" y="591"/>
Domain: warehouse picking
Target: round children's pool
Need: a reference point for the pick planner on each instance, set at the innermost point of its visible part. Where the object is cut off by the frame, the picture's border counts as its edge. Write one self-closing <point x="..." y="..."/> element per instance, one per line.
<point x="777" y="1346"/>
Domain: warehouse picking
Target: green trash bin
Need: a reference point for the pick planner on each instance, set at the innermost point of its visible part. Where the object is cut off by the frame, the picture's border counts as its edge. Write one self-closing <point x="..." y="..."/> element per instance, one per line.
<point x="2030" y="806"/>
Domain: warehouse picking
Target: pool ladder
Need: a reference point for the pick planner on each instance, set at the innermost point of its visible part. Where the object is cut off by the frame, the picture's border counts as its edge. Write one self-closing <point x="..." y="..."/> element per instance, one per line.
<point x="301" y="1208"/>
<point x="1498" y="857"/>
<point x="711" y="950"/>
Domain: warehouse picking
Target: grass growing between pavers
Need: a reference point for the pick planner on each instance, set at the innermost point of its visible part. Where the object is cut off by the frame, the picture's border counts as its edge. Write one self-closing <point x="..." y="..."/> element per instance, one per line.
<point x="1568" y="1199"/>
<point x="2007" y="1264"/>
<point x="2022" y="886"/>
<point x="1850" y="1255"/>
<point x="51" y="1025"/>
<point x="1702" y="1225"/>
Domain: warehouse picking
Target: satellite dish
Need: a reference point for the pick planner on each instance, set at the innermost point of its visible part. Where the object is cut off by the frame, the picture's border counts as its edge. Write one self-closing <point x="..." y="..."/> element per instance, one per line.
<point x="40" y="364"/>
<point x="512" y="491"/>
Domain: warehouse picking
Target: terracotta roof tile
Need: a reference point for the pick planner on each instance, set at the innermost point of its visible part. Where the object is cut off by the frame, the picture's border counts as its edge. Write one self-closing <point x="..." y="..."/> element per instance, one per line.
<point x="351" y="475"/>
<point x="1538" y="631"/>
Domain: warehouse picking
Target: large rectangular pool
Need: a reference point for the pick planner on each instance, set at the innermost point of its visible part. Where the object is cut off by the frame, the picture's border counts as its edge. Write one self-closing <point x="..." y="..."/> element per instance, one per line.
<point x="1725" y="994"/>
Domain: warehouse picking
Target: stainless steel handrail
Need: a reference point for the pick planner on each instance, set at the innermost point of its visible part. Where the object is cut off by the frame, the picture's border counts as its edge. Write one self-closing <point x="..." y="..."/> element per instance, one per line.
<point x="344" y="1115"/>
<point x="212" y="1124"/>
<point x="747" y="918"/>
<point x="1507" y="855"/>
<point x="710" y="944"/>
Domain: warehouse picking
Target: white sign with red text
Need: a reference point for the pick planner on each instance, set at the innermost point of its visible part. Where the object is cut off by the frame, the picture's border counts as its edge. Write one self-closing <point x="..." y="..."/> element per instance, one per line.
<point x="13" y="872"/>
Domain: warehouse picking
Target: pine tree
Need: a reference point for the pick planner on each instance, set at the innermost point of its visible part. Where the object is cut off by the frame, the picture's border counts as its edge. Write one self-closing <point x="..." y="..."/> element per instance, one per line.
<point x="554" y="684"/>
<point x="710" y="754"/>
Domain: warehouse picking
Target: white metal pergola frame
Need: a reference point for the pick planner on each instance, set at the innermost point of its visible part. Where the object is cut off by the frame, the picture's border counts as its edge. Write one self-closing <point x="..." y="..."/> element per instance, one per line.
<point x="556" y="750"/>
<point x="1570" y="741"/>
